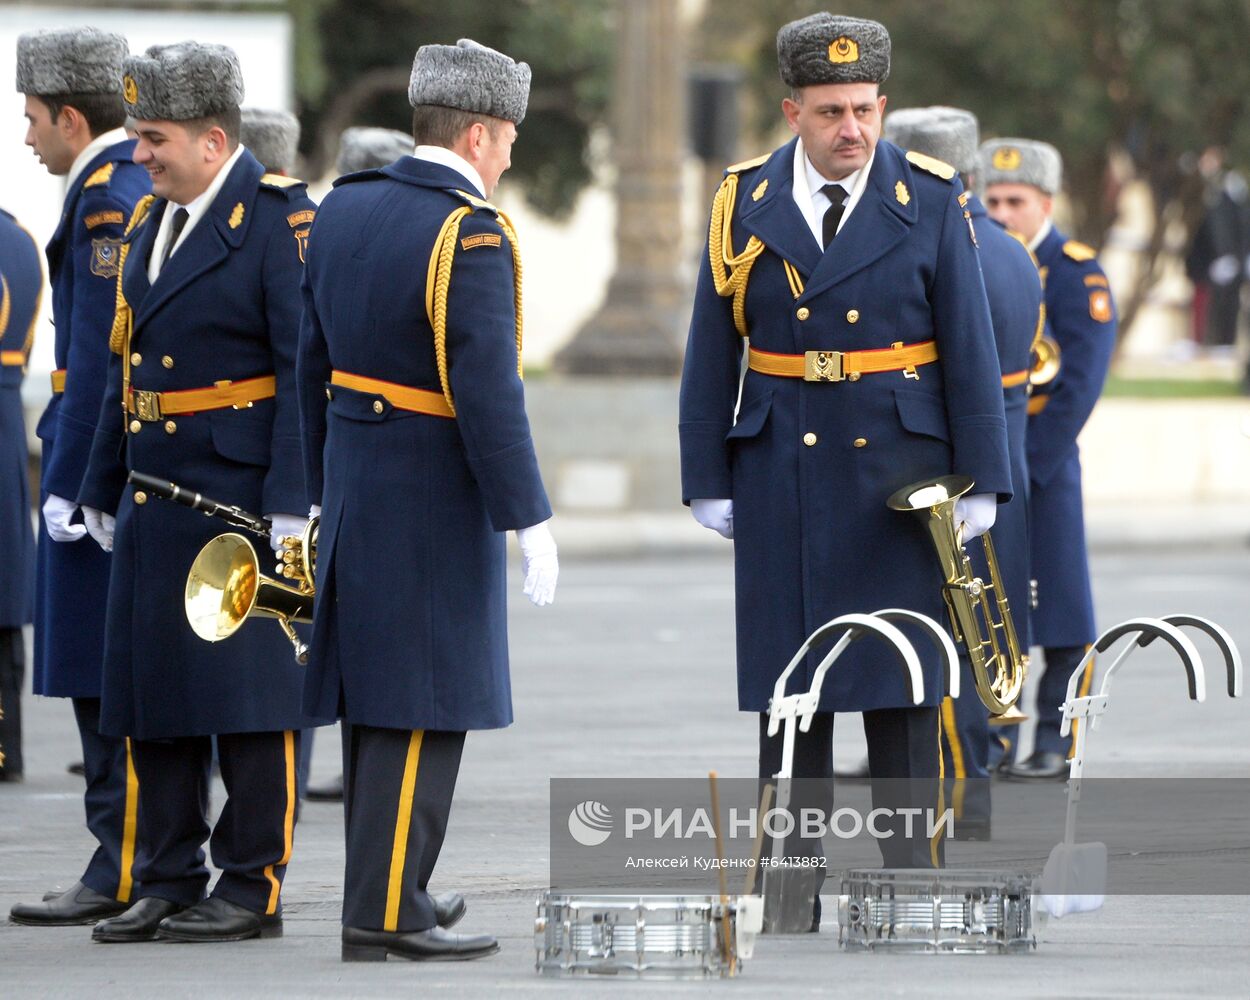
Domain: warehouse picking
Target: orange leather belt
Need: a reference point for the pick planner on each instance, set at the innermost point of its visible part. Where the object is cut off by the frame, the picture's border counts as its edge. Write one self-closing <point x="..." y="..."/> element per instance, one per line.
<point x="58" y="381"/>
<point x="1013" y="379"/>
<point x="402" y="397"/>
<point x="1037" y="404"/>
<point x="12" y="359"/>
<point x="835" y="366"/>
<point x="149" y="406"/>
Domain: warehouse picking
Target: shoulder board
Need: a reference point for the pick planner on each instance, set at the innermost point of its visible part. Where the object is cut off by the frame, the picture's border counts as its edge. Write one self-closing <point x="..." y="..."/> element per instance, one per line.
<point x="474" y="201"/>
<point x="755" y="161"/>
<point x="1079" y="251"/>
<point x="279" y="181"/>
<point x="100" y="176"/>
<point x="140" y="213"/>
<point x="932" y="165"/>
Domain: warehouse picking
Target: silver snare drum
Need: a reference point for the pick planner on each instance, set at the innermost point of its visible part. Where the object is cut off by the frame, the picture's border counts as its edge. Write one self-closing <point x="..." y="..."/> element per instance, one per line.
<point x="642" y="937"/>
<point x="936" y="911"/>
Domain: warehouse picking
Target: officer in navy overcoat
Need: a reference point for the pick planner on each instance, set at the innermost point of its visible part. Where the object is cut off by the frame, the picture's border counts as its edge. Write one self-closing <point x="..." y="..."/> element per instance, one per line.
<point x="820" y="441"/>
<point x="419" y="459"/>
<point x="1020" y="178"/>
<point x="72" y="81"/>
<point x="21" y="286"/>
<point x="200" y="392"/>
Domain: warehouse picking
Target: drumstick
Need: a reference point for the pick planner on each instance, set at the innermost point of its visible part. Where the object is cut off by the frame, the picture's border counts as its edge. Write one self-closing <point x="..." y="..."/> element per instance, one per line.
<point x="766" y="802"/>
<point x="724" y="886"/>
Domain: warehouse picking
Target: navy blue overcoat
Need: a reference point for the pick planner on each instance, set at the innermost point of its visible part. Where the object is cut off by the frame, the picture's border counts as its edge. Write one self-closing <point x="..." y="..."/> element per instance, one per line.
<point x="410" y="628"/>
<point x="1080" y="315"/>
<point x="810" y="465"/>
<point x="73" y="577"/>
<point x="224" y="308"/>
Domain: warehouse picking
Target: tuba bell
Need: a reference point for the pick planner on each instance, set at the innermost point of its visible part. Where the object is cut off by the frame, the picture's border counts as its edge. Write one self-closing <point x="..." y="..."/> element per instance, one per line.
<point x="999" y="666"/>
<point x="225" y="587"/>
<point x="1045" y="360"/>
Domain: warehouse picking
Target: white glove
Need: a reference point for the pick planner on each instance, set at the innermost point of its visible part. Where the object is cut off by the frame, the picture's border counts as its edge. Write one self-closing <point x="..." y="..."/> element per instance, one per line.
<point x="100" y="526"/>
<point x="314" y="511"/>
<point x="1223" y="269"/>
<point x="281" y="525"/>
<point x="975" y="514"/>
<point x="538" y="563"/>
<point x="715" y="514"/>
<point x="57" y="512"/>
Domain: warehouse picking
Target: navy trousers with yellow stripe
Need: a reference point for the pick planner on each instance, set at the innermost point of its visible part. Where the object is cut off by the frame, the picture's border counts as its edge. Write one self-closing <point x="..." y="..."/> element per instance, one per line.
<point x="112" y="805"/>
<point x="251" y="842"/>
<point x="966" y="749"/>
<point x="398" y="786"/>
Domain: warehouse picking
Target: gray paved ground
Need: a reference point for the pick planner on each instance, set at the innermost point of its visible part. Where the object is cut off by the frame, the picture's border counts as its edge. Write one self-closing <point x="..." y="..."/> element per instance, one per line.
<point x="628" y="675"/>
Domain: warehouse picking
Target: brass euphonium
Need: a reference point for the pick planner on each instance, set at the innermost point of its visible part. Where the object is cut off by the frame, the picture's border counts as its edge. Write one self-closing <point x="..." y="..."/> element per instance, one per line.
<point x="999" y="665"/>
<point x="1045" y="360"/>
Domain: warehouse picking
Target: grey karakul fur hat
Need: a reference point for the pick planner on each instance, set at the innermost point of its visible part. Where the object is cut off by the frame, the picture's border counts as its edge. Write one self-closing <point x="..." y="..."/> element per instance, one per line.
<point x="470" y="77"/>
<point x="183" y="81"/>
<point x="367" y="148"/>
<point x="947" y="134"/>
<point x="822" y="48"/>
<point x="1020" y="161"/>
<point x="272" y="136"/>
<point x="70" y="61"/>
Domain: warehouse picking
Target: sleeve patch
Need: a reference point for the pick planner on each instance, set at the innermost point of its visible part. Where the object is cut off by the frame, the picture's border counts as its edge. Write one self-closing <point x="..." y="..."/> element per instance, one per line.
<point x="296" y="219"/>
<point x="1100" y="305"/>
<point x="1096" y="281"/>
<point x="301" y="241"/>
<point x="104" y="219"/>
<point x="105" y="257"/>
<point x="481" y="240"/>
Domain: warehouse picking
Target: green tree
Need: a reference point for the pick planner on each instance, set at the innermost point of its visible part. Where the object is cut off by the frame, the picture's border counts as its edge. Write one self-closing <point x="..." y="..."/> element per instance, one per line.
<point x="353" y="59"/>
<point x="1149" y="83"/>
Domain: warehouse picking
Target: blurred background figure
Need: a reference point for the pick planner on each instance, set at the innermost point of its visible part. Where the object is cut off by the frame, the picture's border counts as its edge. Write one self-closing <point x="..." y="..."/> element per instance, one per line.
<point x="1216" y="260"/>
<point x="362" y="148"/>
<point x="273" y="138"/>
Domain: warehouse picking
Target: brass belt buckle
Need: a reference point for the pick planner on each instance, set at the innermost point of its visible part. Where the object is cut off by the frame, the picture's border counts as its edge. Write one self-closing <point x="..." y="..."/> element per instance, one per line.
<point x="822" y="366"/>
<point x="147" y="405"/>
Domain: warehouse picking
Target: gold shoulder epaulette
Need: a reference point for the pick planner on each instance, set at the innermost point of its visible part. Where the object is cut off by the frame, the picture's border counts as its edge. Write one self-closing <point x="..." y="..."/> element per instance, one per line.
<point x="477" y="202"/>
<point x="932" y="165"/>
<point x="1079" y="251"/>
<point x="100" y="176"/>
<point x="755" y="161"/>
<point x="278" y="181"/>
<point x="140" y="213"/>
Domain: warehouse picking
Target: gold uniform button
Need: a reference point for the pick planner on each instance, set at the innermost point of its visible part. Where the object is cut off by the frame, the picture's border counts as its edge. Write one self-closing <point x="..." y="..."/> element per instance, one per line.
<point x="809" y="439"/>
<point x="136" y="359"/>
<point x="140" y="497"/>
<point x="853" y="376"/>
<point x="860" y="442"/>
<point x="852" y="316"/>
<point x="170" y="427"/>
<point x="167" y="361"/>
<point x="135" y="427"/>
<point x="377" y="406"/>
<point x="803" y="312"/>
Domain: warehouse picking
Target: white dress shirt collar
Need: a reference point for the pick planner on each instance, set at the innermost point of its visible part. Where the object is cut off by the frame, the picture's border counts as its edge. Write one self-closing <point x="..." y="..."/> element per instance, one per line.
<point x="93" y="149"/>
<point x="197" y="208"/>
<point x="1042" y="233"/>
<point x="812" y="203"/>
<point x="448" y="158"/>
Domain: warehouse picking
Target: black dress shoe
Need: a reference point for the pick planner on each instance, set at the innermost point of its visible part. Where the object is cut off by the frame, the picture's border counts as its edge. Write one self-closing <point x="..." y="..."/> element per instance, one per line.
<point x="11" y="777"/>
<point x="331" y="791"/>
<point x="853" y="775"/>
<point x="217" y="919"/>
<point x="434" y="945"/>
<point x="1045" y="765"/>
<point x="448" y="909"/>
<point x="78" y="768"/>
<point x="76" y="905"/>
<point x="138" y="923"/>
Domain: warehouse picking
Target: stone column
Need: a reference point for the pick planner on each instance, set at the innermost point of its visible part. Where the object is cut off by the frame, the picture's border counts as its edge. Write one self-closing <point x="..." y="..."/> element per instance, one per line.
<point x="639" y="329"/>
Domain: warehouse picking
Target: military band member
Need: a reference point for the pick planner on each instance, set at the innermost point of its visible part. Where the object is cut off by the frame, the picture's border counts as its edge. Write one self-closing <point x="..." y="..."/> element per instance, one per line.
<point x="420" y="458"/>
<point x="21" y="287"/>
<point x="200" y="391"/>
<point x="72" y="81"/>
<point x="1020" y="179"/>
<point x="838" y="242"/>
<point x="1016" y="312"/>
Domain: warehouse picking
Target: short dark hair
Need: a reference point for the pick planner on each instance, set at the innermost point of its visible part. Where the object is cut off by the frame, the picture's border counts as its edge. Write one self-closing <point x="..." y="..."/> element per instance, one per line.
<point x="229" y="121"/>
<point x="102" y="112"/>
<point x="435" y="125"/>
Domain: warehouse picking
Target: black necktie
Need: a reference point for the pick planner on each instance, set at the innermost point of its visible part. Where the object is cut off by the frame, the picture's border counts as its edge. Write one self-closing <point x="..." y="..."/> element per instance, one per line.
<point x="836" y="194"/>
<point x="175" y="230"/>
